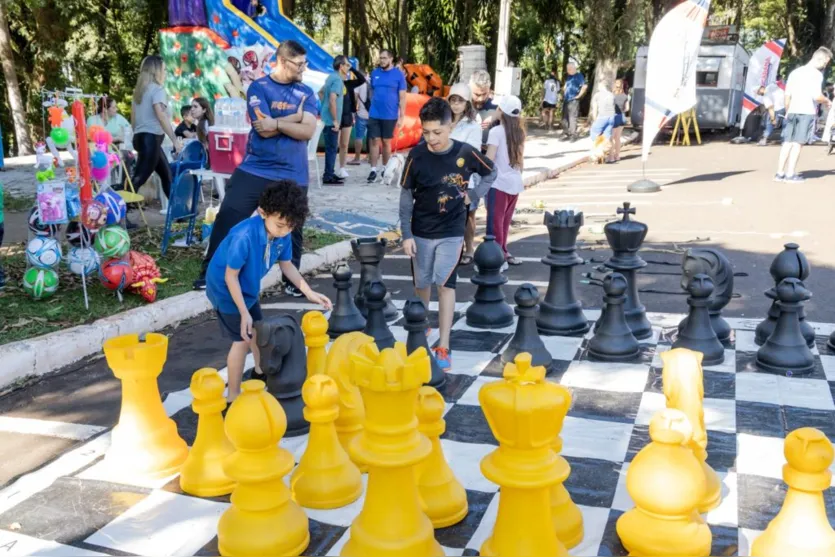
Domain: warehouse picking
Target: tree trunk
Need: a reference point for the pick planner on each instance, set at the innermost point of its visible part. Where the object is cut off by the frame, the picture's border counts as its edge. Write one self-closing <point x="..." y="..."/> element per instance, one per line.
<point x="104" y="53"/>
<point x="360" y="28"/>
<point x="791" y="27"/>
<point x="605" y="68"/>
<point x="829" y="26"/>
<point x="346" y="28"/>
<point x="403" y="43"/>
<point x="22" y="137"/>
<point x="288" y="7"/>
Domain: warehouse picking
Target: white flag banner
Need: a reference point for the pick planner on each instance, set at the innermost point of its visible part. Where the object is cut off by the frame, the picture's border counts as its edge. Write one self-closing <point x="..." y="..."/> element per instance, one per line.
<point x="671" y="66"/>
<point x="762" y="72"/>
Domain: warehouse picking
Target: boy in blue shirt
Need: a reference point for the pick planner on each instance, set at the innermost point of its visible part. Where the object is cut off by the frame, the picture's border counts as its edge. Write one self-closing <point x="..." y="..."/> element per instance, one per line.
<point x="233" y="279"/>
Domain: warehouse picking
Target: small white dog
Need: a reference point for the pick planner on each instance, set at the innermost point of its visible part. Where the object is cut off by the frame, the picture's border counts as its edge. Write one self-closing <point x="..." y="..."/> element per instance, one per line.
<point x="393" y="170"/>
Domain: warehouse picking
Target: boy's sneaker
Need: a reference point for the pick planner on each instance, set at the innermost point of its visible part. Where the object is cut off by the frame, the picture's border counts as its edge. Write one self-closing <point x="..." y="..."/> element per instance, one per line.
<point x="200" y="283"/>
<point x="342" y="173"/>
<point x="291" y="290"/>
<point x="372" y="177"/>
<point x="794" y="179"/>
<point x="779" y="177"/>
<point x="443" y="358"/>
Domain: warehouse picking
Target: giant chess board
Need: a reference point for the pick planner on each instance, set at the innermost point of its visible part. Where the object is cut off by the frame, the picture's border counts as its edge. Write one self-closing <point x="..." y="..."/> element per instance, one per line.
<point x="74" y="506"/>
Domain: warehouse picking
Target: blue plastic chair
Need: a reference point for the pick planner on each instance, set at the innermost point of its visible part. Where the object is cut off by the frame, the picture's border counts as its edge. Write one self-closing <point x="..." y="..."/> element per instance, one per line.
<point x="182" y="205"/>
<point x="192" y="157"/>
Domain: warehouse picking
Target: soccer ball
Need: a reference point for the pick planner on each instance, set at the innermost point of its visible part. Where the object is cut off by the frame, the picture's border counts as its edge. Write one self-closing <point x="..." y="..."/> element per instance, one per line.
<point x="43" y="252"/>
<point x="41" y="230"/>
<point x="40" y="283"/>
<point x="75" y="232"/>
<point x="116" y="208"/>
<point x="112" y="241"/>
<point x="83" y="261"/>
<point x="116" y="274"/>
<point x="93" y="215"/>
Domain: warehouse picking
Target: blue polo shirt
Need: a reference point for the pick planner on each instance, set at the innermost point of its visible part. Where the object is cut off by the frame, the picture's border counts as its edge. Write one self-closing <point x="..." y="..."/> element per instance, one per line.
<point x="335" y="85"/>
<point x="281" y="156"/>
<point x="244" y="248"/>
<point x="385" y="98"/>
<point x="573" y="84"/>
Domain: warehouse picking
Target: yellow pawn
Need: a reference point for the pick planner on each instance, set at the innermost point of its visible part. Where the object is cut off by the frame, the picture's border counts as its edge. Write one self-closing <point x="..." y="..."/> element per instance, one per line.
<point x="566" y="515"/>
<point x="525" y="413"/>
<point x="801" y="527"/>
<point x="145" y="442"/>
<point x="444" y="498"/>
<point x="684" y="388"/>
<point x="263" y="519"/>
<point x="391" y="523"/>
<point x="351" y="417"/>
<point x="202" y="473"/>
<point x="315" y="329"/>
<point x="325" y="477"/>
<point x="667" y="483"/>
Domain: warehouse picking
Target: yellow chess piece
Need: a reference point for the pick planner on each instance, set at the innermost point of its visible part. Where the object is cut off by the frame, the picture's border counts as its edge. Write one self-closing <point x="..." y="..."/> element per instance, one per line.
<point x="566" y="515"/>
<point x="315" y="329"/>
<point x="202" y="473"/>
<point x="391" y="523"/>
<point x="667" y="483"/>
<point x="145" y="442"/>
<point x="801" y="527"/>
<point x="444" y="498"/>
<point x="684" y="389"/>
<point x="325" y="477"/>
<point x="525" y="413"/>
<point x="262" y="519"/>
<point x="351" y="417"/>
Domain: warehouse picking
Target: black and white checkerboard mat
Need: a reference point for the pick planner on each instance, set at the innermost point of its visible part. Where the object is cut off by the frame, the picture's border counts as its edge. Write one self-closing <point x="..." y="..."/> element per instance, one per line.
<point x="74" y="506"/>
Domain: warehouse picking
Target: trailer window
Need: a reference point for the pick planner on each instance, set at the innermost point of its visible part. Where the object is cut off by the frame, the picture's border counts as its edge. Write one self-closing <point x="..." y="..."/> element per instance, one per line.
<point x="707" y="79"/>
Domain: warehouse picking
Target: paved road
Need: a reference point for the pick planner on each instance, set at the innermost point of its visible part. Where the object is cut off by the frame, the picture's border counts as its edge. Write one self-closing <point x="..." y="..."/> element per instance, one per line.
<point x="719" y="195"/>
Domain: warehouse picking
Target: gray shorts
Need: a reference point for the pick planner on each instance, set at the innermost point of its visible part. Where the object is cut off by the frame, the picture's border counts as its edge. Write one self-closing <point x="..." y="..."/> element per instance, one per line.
<point x="799" y="128"/>
<point x="436" y="261"/>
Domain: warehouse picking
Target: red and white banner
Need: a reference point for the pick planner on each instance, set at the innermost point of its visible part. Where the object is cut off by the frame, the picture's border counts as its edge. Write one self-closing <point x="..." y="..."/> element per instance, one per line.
<point x="762" y="72"/>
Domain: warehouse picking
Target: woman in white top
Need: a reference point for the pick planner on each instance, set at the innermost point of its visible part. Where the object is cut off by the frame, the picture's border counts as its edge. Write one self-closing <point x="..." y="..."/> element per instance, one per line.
<point x="107" y="116"/>
<point x="506" y="148"/>
<point x="466" y="128"/>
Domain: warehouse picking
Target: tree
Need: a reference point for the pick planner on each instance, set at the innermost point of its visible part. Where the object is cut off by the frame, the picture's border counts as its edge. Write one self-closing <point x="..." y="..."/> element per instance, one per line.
<point x="610" y="32"/>
<point x="21" y="129"/>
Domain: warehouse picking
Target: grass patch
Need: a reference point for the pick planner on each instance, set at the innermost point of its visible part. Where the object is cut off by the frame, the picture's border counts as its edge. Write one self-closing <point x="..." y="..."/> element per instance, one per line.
<point x="22" y="317"/>
<point x="16" y="204"/>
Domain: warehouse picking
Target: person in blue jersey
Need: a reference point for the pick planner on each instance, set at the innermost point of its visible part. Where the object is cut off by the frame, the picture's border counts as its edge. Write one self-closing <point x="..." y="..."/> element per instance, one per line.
<point x="387" y="90"/>
<point x="243" y="258"/>
<point x="283" y="112"/>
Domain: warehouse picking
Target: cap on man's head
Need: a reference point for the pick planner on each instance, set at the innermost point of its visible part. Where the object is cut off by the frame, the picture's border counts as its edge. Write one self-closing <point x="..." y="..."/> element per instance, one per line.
<point x="511" y="106"/>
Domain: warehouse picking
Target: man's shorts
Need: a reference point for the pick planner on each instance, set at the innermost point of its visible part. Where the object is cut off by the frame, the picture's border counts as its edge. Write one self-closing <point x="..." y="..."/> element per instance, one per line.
<point x="546" y="105"/>
<point x="347" y="120"/>
<point x="381" y="128"/>
<point x="602" y="126"/>
<point x="436" y="261"/>
<point x="360" y="127"/>
<point x="799" y="128"/>
<point x="230" y="323"/>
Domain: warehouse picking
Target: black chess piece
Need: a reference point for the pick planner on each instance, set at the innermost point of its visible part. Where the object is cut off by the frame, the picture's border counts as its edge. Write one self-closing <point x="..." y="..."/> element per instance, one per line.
<point x="375" y="324"/>
<point x="417" y="321"/>
<point x="785" y="351"/>
<point x="831" y="342"/>
<point x="714" y="264"/>
<point x="789" y="263"/>
<point x="526" y="338"/>
<point x="489" y="309"/>
<point x="345" y="317"/>
<point x="283" y="360"/>
<point x="625" y="238"/>
<point x="370" y="253"/>
<point x="698" y="334"/>
<point x="560" y="313"/>
<point x="613" y="341"/>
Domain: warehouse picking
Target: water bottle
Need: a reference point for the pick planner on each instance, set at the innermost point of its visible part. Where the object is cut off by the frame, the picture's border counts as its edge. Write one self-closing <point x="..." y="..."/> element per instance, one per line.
<point x="220" y="112"/>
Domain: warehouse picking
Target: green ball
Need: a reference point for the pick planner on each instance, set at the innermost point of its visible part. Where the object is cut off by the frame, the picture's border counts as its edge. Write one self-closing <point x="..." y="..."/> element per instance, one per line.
<point x="40" y="283"/>
<point x="60" y="136"/>
<point x="112" y="241"/>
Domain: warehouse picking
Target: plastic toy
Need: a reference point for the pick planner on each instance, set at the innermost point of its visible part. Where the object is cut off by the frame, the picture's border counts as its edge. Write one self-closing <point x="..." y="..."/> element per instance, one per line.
<point x="146" y="276"/>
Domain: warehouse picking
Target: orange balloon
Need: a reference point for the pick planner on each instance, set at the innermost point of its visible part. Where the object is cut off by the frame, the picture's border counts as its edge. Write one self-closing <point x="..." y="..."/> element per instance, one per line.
<point x="56" y="116"/>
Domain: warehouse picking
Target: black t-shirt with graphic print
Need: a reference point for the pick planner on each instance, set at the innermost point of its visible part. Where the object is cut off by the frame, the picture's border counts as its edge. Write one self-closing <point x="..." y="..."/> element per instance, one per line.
<point x="438" y="182"/>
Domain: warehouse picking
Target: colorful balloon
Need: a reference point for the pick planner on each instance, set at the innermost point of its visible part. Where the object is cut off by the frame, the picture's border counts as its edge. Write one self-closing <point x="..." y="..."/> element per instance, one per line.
<point x="98" y="159"/>
<point x="60" y="136"/>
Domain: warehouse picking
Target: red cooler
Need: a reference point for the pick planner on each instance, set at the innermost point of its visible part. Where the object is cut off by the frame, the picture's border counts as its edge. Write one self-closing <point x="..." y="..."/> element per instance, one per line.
<point x="227" y="148"/>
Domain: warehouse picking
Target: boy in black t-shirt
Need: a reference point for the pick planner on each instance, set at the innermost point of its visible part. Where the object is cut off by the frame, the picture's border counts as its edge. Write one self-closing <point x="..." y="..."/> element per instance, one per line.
<point x="433" y="211"/>
<point x="187" y="128"/>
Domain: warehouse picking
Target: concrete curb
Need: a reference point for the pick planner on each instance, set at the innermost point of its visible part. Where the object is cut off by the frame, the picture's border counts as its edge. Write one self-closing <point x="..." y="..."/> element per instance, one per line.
<point x="45" y="354"/>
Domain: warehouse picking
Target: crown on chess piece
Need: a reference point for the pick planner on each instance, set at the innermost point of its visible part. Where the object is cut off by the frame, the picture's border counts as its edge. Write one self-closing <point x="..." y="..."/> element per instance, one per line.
<point x="789" y="263"/>
<point x="625" y="237"/>
<point x="563" y="227"/>
<point x="389" y="370"/>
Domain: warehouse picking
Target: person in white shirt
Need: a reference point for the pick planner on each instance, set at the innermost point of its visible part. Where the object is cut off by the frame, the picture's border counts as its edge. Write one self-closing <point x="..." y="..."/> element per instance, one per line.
<point x="360" y="121"/>
<point x="550" y="97"/>
<point x="774" y="101"/>
<point x="506" y="148"/>
<point x="804" y="89"/>
<point x="466" y="128"/>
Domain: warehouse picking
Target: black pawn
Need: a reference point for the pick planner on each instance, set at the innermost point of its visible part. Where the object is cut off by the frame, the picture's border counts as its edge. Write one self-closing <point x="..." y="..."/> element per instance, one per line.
<point x="345" y="317"/>
<point x="613" y="340"/>
<point x="713" y="263"/>
<point x="526" y="338"/>
<point x="786" y="351"/>
<point x="831" y="342"/>
<point x="375" y="324"/>
<point x="698" y="334"/>
<point x="489" y="309"/>
<point x="417" y="322"/>
<point x="370" y="253"/>
<point x="789" y="263"/>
